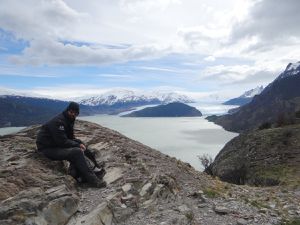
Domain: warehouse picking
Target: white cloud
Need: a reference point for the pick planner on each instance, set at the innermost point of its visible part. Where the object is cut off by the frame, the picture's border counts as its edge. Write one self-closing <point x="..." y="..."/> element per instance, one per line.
<point x="51" y="52"/>
<point x="6" y="70"/>
<point x="140" y="7"/>
<point x="271" y="21"/>
<point x="161" y="69"/>
<point x="151" y="28"/>
<point x="210" y="58"/>
<point x="248" y="74"/>
<point x="33" y="19"/>
<point x="263" y="33"/>
<point x="270" y="31"/>
<point x="68" y="92"/>
<point x="45" y="24"/>
<point x="115" y="76"/>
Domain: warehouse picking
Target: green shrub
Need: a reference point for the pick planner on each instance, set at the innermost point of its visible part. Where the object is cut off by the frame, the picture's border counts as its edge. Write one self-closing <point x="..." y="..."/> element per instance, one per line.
<point x="210" y="193"/>
<point x="293" y="222"/>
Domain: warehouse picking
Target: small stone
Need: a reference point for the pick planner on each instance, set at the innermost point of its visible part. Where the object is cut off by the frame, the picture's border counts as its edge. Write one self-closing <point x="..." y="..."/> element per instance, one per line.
<point x="241" y="222"/>
<point x="202" y="205"/>
<point x="184" y="209"/>
<point x="221" y="210"/>
<point x="145" y="189"/>
<point x="285" y="206"/>
<point x="290" y="212"/>
<point x="263" y="210"/>
<point x="200" y="192"/>
<point x="272" y="206"/>
<point x="274" y="214"/>
<point x="147" y="203"/>
<point x="127" y="198"/>
<point x="126" y="187"/>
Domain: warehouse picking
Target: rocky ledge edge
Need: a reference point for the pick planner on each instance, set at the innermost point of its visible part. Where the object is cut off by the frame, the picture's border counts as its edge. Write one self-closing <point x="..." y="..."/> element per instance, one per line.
<point x="144" y="187"/>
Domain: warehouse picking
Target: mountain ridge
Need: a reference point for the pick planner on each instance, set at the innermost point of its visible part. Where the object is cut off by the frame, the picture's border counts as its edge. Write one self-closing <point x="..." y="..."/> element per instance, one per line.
<point x="280" y="99"/>
<point x="134" y="97"/>
<point x="246" y="97"/>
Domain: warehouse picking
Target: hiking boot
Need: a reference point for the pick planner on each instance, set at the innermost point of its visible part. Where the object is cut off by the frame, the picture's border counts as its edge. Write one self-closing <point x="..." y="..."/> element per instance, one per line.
<point x="72" y="171"/>
<point x="100" y="173"/>
<point x="96" y="169"/>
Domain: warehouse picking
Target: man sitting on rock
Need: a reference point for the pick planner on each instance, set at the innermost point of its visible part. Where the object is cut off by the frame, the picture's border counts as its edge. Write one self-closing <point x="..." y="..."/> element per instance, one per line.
<point x="57" y="142"/>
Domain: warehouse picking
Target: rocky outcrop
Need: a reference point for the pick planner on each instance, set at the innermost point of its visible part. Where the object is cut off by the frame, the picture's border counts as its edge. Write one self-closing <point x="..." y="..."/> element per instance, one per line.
<point x="265" y="157"/>
<point x="145" y="187"/>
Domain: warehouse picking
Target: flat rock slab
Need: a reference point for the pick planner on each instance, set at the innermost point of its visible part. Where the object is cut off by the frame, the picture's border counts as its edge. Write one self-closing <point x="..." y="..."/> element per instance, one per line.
<point x="101" y="215"/>
<point x="113" y="174"/>
<point x="99" y="146"/>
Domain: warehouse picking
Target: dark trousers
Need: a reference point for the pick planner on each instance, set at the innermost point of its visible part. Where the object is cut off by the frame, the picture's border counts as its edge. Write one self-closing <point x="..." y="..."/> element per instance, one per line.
<point x="75" y="156"/>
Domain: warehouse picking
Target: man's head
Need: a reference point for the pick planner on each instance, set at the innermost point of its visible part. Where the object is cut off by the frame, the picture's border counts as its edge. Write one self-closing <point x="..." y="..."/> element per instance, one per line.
<point x="73" y="110"/>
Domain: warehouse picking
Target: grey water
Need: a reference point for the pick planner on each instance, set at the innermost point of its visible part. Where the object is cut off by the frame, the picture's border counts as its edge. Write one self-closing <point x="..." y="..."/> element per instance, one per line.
<point x="183" y="137"/>
<point x="10" y="130"/>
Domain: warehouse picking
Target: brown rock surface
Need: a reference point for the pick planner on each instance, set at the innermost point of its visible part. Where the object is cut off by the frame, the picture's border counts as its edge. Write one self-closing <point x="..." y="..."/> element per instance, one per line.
<point x="145" y="187"/>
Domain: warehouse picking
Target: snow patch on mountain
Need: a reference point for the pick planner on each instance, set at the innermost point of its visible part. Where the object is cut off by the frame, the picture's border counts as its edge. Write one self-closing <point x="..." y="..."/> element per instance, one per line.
<point x="292" y="69"/>
<point x="251" y="93"/>
<point x="130" y="96"/>
<point x="293" y="66"/>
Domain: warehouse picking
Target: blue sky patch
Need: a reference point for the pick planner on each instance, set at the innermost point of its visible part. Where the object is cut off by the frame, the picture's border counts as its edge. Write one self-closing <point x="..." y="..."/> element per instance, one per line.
<point x="9" y="44"/>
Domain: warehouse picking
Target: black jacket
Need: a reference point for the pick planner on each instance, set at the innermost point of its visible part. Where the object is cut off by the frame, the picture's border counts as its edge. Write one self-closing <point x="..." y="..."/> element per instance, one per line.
<point x="58" y="132"/>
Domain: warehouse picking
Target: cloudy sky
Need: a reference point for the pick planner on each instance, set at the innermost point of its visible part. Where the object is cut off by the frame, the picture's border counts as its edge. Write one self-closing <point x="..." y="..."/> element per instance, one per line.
<point x="204" y="48"/>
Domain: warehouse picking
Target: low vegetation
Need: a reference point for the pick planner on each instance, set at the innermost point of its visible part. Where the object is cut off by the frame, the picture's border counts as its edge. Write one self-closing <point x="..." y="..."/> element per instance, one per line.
<point x="293" y="222"/>
<point x="206" y="160"/>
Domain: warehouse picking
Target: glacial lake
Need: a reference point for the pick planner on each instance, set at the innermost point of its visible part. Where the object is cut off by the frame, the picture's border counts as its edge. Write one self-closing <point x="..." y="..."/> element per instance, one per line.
<point x="183" y="137"/>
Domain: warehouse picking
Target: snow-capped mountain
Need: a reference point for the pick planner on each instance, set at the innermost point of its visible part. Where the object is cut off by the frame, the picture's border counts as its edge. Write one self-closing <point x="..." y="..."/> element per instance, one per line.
<point x="134" y="97"/>
<point x="246" y="97"/>
<point x="292" y="69"/>
<point x="251" y="93"/>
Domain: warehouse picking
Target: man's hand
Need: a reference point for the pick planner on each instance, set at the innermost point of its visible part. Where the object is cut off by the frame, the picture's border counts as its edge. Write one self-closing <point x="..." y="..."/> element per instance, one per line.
<point x="82" y="147"/>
